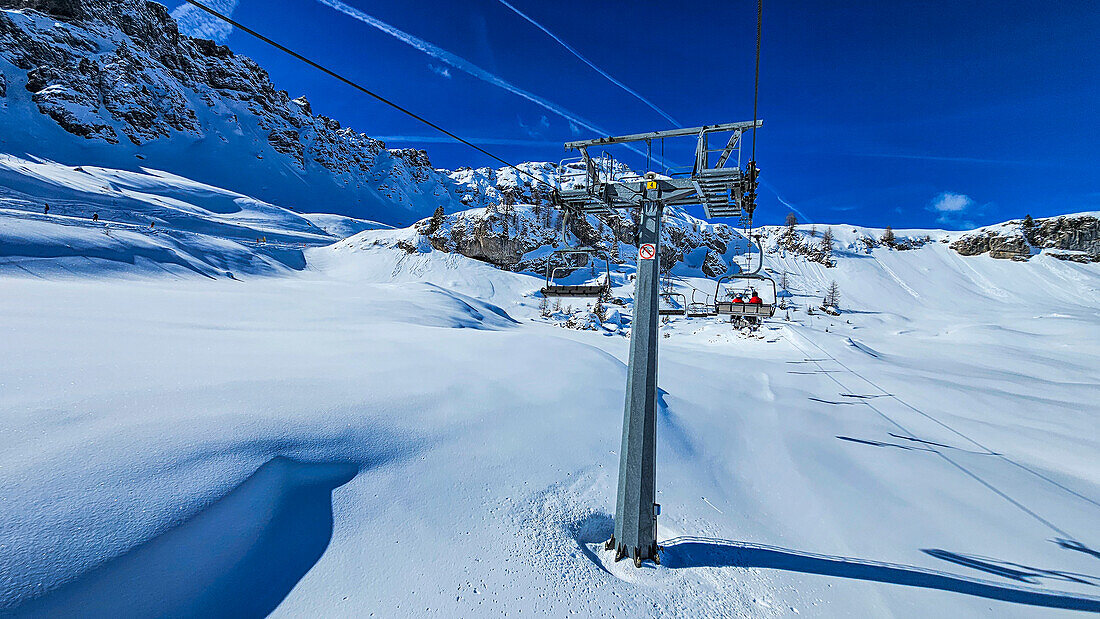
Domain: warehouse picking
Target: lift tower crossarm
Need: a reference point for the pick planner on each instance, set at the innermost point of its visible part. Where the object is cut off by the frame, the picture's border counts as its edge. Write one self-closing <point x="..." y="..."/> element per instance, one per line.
<point x="669" y="133"/>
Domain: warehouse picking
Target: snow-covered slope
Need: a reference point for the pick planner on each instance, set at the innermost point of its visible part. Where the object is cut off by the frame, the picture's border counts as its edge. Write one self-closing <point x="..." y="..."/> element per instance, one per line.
<point x="103" y="220"/>
<point x="930" y="451"/>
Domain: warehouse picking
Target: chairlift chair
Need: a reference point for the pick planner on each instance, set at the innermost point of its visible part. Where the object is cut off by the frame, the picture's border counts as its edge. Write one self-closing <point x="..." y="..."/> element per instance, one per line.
<point x="670" y="309"/>
<point x="746" y="310"/>
<point x="700" y="309"/>
<point x="553" y="289"/>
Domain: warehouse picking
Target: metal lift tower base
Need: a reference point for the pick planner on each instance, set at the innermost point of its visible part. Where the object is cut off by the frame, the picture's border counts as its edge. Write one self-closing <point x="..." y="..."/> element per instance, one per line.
<point x="636" y="508"/>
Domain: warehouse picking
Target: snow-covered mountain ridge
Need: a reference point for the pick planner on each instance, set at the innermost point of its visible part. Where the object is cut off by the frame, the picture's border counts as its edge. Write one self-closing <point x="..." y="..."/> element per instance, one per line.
<point x="114" y="83"/>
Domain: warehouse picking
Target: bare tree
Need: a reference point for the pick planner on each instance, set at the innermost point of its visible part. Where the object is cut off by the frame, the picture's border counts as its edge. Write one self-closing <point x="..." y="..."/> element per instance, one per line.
<point x="792" y="221"/>
<point x="832" y="296"/>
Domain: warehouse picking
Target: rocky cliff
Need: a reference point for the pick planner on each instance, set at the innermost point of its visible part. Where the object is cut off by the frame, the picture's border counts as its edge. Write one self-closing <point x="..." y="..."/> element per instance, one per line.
<point x="1069" y="237"/>
<point x="115" y="83"/>
<point x="513" y="225"/>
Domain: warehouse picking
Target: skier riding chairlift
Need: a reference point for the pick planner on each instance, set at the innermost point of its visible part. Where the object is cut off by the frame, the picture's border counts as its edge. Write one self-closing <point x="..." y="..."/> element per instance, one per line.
<point x="738" y="299"/>
<point x="756" y="300"/>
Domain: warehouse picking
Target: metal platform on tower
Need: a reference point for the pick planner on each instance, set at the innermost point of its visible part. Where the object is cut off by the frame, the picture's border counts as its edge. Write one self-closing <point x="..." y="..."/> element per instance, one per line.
<point x="598" y="185"/>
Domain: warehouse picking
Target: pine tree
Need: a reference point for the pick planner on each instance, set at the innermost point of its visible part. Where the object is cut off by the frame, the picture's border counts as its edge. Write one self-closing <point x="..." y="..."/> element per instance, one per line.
<point x="436" y="221"/>
<point x="784" y="281"/>
<point x="1029" y="229"/>
<point x="544" y="307"/>
<point x="827" y="247"/>
<point x="888" y="237"/>
<point x="599" y="310"/>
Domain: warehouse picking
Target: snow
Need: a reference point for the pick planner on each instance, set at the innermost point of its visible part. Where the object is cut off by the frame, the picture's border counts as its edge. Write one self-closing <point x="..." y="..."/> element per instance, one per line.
<point x="383" y="428"/>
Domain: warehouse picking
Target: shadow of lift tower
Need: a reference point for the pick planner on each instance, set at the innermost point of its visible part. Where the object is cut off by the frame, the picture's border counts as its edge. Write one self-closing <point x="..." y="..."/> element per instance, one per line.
<point x="597" y="187"/>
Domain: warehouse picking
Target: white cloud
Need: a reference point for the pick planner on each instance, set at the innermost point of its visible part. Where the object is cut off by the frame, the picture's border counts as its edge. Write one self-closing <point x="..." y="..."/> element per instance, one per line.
<point x="440" y="71"/>
<point x="948" y="202"/>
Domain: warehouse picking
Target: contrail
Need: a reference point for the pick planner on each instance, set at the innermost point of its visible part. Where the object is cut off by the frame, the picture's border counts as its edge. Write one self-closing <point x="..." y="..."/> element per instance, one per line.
<point x="785" y="203"/>
<point x="461" y="64"/>
<point x="591" y="64"/>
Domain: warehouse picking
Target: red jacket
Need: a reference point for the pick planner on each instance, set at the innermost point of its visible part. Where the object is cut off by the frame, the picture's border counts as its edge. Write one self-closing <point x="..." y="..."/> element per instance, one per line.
<point x="737" y="300"/>
<point x="755" y="299"/>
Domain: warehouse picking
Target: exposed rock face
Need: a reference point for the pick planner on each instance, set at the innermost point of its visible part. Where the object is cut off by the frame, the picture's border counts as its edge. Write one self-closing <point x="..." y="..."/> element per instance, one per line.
<point x="64" y="9"/>
<point x="118" y="73"/>
<point x="1079" y="235"/>
<point x="519" y="237"/>
<point x="1075" y="233"/>
<point x="997" y="244"/>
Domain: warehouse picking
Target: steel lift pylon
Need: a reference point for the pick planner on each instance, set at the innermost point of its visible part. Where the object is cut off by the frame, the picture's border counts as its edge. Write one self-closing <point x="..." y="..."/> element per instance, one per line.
<point x="598" y="187"/>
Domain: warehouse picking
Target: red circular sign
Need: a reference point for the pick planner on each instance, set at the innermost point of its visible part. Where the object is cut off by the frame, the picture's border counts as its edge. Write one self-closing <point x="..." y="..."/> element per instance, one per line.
<point x="647" y="251"/>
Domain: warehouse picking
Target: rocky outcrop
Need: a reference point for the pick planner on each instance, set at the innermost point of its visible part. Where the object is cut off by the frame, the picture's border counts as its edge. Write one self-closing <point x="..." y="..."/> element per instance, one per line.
<point x="519" y="236"/>
<point x="999" y="244"/>
<point x="1080" y="233"/>
<point x="1077" y="235"/>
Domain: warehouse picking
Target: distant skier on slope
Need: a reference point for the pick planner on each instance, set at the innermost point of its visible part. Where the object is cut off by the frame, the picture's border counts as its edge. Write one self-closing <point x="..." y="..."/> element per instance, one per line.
<point x="95" y="216"/>
<point x="46" y="210"/>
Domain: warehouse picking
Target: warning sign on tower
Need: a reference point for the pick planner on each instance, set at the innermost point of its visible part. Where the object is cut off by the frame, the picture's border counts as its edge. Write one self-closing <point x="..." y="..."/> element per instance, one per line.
<point x="647" y="251"/>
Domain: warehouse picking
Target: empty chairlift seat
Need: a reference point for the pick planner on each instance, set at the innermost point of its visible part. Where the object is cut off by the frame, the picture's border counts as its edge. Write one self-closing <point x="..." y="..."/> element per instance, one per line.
<point x="700" y="308"/>
<point x="672" y="304"/>
<point x="558" y="266"/>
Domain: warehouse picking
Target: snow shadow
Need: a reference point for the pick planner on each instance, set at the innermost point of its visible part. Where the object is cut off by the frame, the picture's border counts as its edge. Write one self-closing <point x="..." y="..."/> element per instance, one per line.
<point x="689" y="552"/>
<point x="1010" y="570"/>
<point x="593" y="529"/>
<point x="239" y="557"/>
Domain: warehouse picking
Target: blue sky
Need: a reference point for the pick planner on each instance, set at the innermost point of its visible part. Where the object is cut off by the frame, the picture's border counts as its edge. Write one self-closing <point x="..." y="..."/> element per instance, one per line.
<point x="944" y="114"/>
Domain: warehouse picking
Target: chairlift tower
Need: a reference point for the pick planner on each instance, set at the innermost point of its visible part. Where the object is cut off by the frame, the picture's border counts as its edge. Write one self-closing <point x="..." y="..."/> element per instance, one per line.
<point x="598" y="187"/>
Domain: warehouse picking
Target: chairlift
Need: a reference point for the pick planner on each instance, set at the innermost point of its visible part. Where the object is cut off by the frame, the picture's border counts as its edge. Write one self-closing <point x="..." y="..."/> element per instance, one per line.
<point x="670" y="308"/>
<point x="700" y="309"/>
<point x="556" y="271"/>
<point x="745" y="309"/>
<point x="750" y="312"/>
